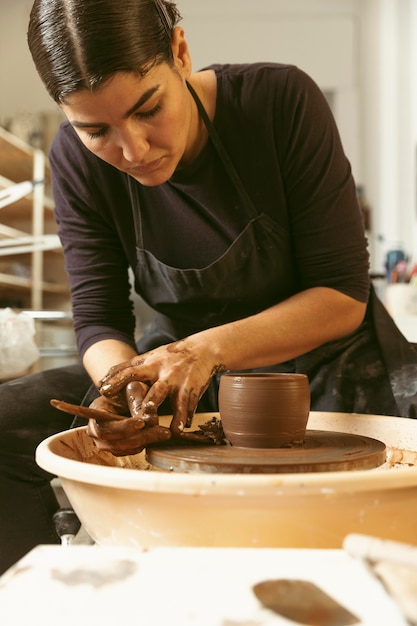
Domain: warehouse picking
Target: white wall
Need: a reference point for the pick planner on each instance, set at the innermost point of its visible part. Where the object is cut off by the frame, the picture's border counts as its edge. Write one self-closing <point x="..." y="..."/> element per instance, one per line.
<point x="363" y="50"/>
<point x="20" y="87"/>
<point x="319" y="36"/>
<point x="389" y="122"/>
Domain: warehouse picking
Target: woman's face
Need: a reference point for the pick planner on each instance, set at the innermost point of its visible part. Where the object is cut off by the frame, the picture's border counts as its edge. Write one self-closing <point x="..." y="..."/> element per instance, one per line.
<point x="146" y="126"/>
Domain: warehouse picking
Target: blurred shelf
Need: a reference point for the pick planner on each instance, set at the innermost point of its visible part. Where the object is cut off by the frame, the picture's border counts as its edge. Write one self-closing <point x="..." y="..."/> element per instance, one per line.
<point x="34" y="279"/>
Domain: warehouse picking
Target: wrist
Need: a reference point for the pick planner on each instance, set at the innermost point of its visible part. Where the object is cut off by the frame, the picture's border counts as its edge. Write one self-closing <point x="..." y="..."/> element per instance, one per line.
<point x="210" y="347"/>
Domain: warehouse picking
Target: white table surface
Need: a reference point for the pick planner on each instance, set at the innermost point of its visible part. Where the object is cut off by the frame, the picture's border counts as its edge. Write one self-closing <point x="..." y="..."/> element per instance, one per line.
<point x="103" y="586"/>
<point x="408" y="326"/>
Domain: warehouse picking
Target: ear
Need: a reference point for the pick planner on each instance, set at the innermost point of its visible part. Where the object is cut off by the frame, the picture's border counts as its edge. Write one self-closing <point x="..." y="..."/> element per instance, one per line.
<point x="181" y="53"/>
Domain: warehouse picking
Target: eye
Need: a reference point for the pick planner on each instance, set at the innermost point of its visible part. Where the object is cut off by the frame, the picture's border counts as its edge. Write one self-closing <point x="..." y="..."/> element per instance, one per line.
<point x="148" y="114"/>
<point x="97" y="134"/>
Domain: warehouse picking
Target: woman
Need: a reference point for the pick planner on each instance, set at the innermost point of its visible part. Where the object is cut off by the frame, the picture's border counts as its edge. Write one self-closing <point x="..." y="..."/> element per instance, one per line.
<point x="228" y="194"/>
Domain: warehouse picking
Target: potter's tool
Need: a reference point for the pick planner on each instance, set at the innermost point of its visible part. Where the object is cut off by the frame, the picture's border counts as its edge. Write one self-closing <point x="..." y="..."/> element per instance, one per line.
<point x="303" y="602"/>
<point x="202" y="436"/>
<point x="394" y="563"/>
<point x="67" y="525"/>
<point x="85" y="411"/>
<point x="374" y="549"/>
<point x="322" y="451"/>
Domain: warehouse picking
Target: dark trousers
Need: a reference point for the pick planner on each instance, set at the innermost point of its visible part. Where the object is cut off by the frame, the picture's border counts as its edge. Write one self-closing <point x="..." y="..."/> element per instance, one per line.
<point x="27" y="501"/>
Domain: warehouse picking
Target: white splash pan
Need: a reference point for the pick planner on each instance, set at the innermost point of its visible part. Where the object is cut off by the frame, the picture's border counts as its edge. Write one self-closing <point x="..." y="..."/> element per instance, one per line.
<point x="120" y="502"/>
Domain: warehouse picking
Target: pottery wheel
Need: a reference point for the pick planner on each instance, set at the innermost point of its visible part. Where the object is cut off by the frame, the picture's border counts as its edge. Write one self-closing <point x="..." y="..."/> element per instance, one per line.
<point x="322" y="451"/>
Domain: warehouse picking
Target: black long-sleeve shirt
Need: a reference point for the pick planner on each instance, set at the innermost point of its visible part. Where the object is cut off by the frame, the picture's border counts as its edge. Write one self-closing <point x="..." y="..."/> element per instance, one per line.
<point x="281" y="137"/>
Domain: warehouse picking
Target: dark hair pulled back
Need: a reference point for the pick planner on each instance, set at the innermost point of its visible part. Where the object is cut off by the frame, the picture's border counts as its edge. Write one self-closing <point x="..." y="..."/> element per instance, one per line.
<point x="79" y="44"/>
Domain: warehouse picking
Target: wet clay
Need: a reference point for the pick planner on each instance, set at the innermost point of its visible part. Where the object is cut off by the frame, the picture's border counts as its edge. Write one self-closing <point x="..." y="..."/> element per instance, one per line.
<point x="267" y="410"/>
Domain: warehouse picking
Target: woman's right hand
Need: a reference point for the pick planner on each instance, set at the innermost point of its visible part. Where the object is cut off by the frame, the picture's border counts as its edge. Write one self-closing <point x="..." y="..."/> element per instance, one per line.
<point x="127" y="436"/>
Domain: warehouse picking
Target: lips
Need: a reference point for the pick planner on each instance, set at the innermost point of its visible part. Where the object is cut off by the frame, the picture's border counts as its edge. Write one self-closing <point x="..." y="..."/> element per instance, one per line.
<point x="147" y="168"/>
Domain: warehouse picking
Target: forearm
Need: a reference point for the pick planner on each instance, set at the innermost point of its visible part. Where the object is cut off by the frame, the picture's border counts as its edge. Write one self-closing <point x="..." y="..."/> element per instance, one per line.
<point x="285" y="331"/>
<point x="101" y="356"/>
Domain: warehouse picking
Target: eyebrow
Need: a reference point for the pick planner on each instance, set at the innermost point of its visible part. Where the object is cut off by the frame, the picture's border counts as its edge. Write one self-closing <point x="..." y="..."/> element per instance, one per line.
<point x="140" y="102"/>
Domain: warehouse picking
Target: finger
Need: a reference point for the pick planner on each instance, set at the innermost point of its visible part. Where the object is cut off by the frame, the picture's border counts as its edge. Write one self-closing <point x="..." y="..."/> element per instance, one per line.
<point x="184" y="406"/>
<point x="135" y="394"/>
<point x="154" y="398"/>
<point x="150" y="413"/>
<point x="120" y="375"/>
<point x="147" y="436"/>
<point x="193" y="400"/>
<point x="114" y="384"/>
<point x="115" y="430"/>
<point x="115" y="404"/>
<point x="114" y="369"/>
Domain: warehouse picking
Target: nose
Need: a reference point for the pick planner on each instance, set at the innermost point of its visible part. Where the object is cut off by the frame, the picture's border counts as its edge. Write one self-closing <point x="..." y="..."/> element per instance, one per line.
<point x="133" y="144"/>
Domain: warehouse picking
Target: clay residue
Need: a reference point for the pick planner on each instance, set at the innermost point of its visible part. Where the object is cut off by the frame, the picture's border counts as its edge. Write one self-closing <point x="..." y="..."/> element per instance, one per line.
<point x="213" y="431"/>
<point x="397" y="458"/>
<point x="112" y="573"/>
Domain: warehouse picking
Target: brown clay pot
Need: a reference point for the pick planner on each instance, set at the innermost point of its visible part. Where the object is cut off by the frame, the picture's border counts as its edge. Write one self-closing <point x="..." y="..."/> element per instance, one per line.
<point x="264" y="410"/>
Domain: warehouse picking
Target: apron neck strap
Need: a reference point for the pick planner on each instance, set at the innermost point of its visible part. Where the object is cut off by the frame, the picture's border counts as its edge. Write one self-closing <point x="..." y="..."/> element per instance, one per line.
<point x="221" y="151"/>
<point x="227" y="163"/>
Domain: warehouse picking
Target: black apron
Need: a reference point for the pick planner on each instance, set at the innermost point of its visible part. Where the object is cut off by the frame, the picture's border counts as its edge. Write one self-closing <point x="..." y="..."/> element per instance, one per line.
<point x="351" y="374"/>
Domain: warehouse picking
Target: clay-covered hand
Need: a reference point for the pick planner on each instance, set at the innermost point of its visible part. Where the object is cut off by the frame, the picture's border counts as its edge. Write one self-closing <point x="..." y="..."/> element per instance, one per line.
<point x="131" y="435"/>
<point x="175" y="371"/>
